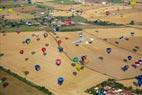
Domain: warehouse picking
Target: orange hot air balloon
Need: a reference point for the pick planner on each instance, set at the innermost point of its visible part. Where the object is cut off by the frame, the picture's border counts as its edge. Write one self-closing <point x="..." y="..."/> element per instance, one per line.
<point x="59" y="42"/>
<point x="21" y="51"/>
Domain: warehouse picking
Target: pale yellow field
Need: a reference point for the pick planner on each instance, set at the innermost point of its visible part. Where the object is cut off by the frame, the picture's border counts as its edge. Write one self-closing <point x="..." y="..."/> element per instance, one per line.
<point x="113" y="34"/>
<point x="12" y="43"/>
<point x="92" y="74"/>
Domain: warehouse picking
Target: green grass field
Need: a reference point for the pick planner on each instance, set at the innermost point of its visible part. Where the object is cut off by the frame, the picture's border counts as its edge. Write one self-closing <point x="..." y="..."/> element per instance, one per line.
<point x="76" y="19"/>
<point x="23" y="28"/>
<point x="11" y="4"/>
<point x="65" y="1"/>
<point x="116" y="1"/>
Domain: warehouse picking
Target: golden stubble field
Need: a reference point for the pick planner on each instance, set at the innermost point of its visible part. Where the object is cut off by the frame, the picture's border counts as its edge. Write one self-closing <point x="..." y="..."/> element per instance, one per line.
<point x="92" y="74"/>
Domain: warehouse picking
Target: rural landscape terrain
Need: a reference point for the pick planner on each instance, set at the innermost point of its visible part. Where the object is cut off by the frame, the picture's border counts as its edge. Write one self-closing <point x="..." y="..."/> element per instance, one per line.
<point x="70" y="47"/>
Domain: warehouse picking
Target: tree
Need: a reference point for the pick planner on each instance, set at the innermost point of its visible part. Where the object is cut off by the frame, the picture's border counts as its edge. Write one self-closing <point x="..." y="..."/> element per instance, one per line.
<point x="132" y="22"/>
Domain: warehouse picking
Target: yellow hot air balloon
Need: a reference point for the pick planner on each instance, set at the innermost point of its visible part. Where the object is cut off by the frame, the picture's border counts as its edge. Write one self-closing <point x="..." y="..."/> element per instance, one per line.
<point x="10" y="11"/>
<point x="1" y="10"/>
<point x="78" y="67"/>
<point x="133" y="3"/>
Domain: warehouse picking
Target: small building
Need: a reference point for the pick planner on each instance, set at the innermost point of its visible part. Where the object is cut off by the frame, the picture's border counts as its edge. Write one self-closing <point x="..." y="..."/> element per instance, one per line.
<point x="68" y="22"/>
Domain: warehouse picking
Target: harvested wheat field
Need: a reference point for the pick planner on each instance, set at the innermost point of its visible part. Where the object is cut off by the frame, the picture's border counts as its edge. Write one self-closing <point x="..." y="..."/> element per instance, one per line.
<point x="49" y="72"/>
<point x="21" y="87"/>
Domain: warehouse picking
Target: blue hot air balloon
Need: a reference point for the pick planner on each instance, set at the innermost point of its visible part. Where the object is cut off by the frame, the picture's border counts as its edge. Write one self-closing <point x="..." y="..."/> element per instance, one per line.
<point x="129" y="57"/>
<point x="60" y="80"/>
<point x="139" y="79"/>
<point x="37" y="67"/>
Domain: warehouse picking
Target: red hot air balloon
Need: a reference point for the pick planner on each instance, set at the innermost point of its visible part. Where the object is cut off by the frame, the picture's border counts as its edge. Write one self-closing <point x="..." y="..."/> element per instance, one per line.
<point x="43" y="50"/>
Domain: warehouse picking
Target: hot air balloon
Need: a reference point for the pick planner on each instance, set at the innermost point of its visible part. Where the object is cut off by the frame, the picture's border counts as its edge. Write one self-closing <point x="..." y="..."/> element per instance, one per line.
<point x="75" y="59"/>
<point x="132" y="34"/>
<point x="140" y="61"/>
<point x="1" y="10"/>
<point x="78" y="67"/>
<point x="18" y="31"/>
<point x="43" y="50"/>
<point x="59" y="42"/>
<point x="133" y="3"/>
<point x="21" y="51"/>
<point x="58" y="62"/>
<point x="108" y="50"/>
<point x="45" y="35"/>
<point x="37" y="67"/>
<point x="129" y="57"/>
<point x="60" y="80"/>
<point x="28" y="40"/>
<point x="10" y="11"/>
<point x="139" y="79"/>
<point x="61" y="49"/>
<point x="125" y="68"/>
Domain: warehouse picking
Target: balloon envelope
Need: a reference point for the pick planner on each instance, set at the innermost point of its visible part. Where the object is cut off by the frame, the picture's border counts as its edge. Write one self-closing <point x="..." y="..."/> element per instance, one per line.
<point x="75" y="59"/>
<point x="108" y="50"/>
<point x="37" y="67"/>
<point x="129" y="57"/>
<point x="43" y="49"/>
<point x="60" y="80"/>
<point x="28" y="41"/>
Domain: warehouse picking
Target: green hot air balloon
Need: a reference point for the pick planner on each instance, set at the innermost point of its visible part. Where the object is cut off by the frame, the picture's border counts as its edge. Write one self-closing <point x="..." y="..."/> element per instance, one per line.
<point x="75" y="59"/>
